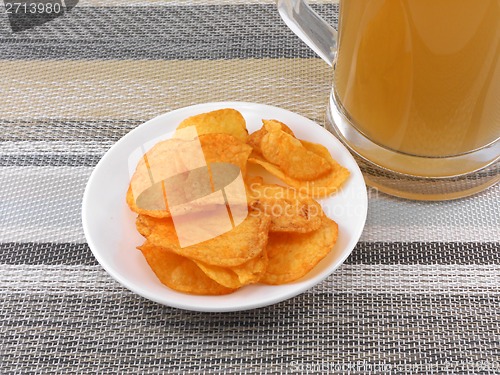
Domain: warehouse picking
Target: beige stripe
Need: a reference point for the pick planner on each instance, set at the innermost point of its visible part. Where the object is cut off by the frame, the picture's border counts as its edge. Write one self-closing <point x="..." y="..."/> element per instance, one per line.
<point x="144" y="89"/>
<point x="125" y="3"/>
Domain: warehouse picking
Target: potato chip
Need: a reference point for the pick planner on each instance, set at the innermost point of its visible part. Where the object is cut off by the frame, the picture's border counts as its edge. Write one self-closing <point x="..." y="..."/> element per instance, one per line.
<point x="318" y="188"/>
<point x="180" y="273"/>
<point x="255" y="138"/>
<point x="227" y="121"/>
<point x="249" y="180"/>
<point x="209" y="228"/>
<point x="145" y="196"/>
<point x="233" y="248"/>
<point x="147" y="193"/>
<point x="235" y="277"/>
<point x="224" y="148"/>
<point x="288" y="153"/>
<point x="293" y="255"/>
<point x="290" y="210"/>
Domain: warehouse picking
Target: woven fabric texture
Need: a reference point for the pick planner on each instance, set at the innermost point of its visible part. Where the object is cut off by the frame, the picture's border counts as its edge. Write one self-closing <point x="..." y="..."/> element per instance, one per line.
<point x="420" y="293"/>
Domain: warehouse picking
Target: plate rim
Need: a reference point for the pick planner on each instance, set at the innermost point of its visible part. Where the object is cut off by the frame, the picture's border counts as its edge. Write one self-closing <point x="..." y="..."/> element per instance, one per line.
<point x="257" y="108"/>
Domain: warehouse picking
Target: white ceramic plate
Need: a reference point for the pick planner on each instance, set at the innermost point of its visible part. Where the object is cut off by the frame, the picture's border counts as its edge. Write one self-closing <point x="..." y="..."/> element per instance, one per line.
<point x="110" y="230"/>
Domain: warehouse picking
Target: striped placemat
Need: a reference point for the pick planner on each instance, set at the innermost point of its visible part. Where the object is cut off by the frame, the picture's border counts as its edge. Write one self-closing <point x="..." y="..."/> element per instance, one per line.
<point x="420" y="293"/>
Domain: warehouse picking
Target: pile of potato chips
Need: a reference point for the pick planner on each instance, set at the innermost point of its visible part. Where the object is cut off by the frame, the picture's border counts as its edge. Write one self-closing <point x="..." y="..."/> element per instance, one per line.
<point x="211" y="227"/>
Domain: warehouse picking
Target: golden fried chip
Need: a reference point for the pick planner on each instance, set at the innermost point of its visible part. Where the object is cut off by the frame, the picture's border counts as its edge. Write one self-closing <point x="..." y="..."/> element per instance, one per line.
<point x="290" y="155"/>
<point x="317" y="188"/>
<point x="249" y="180"/>
<point x="209" y="229"/>
<point x="151" y="199"/>
<point x="228" y="121"/>
<point x="222" y="157"/>
<point x="180" y="273"/>
<point x="144" y="195"/>
<point x="224" y="148"/>
<point x="235" y="277"/>
<point x="233" y="248"/>
<point x="290" y="210"/>
<point x="255" y="138"/>
<point x="293" y="255"/>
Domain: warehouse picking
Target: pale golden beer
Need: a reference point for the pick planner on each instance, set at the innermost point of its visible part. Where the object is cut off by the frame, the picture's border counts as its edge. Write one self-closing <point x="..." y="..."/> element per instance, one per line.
<point x="421" y="76"/>
<point x="416" y="90"/>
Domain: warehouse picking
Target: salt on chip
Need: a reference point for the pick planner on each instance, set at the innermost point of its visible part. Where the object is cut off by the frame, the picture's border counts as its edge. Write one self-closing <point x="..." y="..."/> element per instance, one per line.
<point x="290" y="155"/>
<point x="227" y="121"/>
<point x="180" y="273"/>
<point x="317" y="188"/>
<point x="292" y="255"/>
<point x="233" y="248"/>
<point x="290" y="210"/>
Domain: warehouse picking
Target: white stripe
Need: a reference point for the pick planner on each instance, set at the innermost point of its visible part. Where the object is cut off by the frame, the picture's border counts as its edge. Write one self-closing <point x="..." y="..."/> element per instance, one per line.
<point x="355" y="279"/>
<point x="474" y="218"/>
<point x="43" y="204"/>
<point x="54" y="147"/>
<point x="429" y="232"/>
<point x="416" y="279"/>
<point x="47" y="233"/>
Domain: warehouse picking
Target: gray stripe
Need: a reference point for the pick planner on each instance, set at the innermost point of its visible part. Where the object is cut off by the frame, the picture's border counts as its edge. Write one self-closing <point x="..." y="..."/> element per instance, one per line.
<point x="34" y="253"/>
<point x="369" y="253"/>
<point x="127" y="334"/>
<point x="174" y="32"/>
<point x="52" y="160"/>
<point x="425" y="253"/>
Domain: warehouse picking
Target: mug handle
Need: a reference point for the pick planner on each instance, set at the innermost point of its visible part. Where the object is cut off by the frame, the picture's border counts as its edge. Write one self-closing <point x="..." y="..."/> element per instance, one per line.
<point x="310" y="27"/>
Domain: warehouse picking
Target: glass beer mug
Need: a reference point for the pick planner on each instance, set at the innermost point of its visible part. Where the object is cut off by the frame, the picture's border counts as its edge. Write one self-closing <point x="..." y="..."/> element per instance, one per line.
<point x="416" y="90"/>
